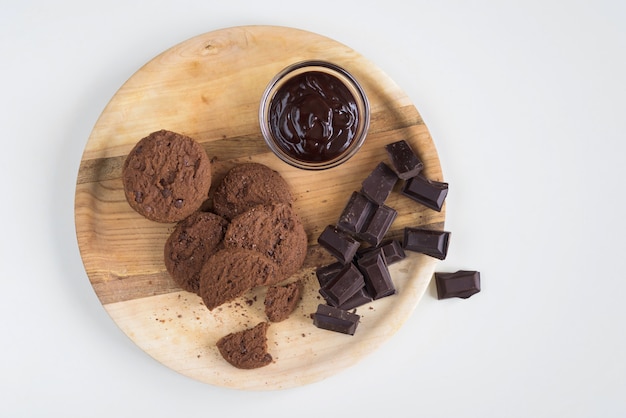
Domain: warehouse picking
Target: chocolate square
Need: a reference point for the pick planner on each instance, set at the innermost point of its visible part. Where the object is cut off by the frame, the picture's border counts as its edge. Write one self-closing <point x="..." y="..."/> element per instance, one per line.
<point x="376" y="275"/>
<point x="461" y="284"/>
<point x="404" y="161"/>
<point x="343" y="286"/>
<point x="429" y="193"/>
<point x="335" y="319"/>
<point x="355" y="214"/>
<point x="379" y="183"/>
<point x="378" y="225"/>
<point x="426" y="241"/>
<point x="339" y="244"/>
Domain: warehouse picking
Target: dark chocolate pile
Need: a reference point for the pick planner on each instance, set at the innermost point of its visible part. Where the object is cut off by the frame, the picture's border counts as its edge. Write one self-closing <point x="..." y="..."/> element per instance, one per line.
<point x="361" y="272"/>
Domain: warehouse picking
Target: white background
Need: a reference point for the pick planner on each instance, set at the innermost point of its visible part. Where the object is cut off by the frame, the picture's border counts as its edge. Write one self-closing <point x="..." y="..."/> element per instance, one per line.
<point x="526" y="103"/>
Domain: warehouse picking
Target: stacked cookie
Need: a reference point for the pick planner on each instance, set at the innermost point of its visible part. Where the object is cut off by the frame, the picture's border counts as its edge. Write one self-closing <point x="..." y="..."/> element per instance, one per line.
<point x="252" y="237"/>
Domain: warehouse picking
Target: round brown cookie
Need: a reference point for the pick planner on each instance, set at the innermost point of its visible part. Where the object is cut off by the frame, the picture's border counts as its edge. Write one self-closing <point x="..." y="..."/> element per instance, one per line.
<point x="189" y="246"/>
<point x="166" y="176"/>
<point x="231" y="272"/>
<point x="246" y="349"/>
<point x="247" y="185"/>
<point x="275" y="231"/>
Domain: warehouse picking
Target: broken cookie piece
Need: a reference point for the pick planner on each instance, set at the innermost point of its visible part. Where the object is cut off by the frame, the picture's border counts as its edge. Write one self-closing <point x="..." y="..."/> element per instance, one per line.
<point x="246" y="349"/>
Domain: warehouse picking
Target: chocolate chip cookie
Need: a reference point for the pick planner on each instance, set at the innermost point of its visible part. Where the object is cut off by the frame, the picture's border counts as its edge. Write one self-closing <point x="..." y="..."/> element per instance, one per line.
<point x="166" y="176"/>
<point x="231" y="272"/>
<point x="247" y="185"/>
<point x="189" y="246"/>
<point x="275" y="231"/>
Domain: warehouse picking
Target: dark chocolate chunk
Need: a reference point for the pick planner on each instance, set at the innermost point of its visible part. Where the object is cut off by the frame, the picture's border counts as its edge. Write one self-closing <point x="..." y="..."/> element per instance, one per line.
<point x="343" y="286"/>
<point x="366" y="220"/>
<point x="326" y="273"/>
<point x="392" y="249"/>
<point x="429" y="193"/>
<point x="378" y="225"/>
<point x="355" y="214"/>
<point x="379" y="184"/>
<point x="339" y="244"/>
<point x="376" y="275"/>
<point x="335" y="319"/>
<point x="404" y="161"/>
<point x="461" y="284"/>
<point x="360" y="298"/>
<point x="426" y="241"/>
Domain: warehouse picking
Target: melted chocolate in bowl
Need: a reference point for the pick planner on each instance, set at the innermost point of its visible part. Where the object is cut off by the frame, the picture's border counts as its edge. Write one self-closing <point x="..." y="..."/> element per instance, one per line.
<point x="314" y="115"/>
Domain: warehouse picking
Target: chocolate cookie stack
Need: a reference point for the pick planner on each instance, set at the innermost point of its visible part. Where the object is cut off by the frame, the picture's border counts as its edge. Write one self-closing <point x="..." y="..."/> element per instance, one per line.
<point x="252" y="237"/>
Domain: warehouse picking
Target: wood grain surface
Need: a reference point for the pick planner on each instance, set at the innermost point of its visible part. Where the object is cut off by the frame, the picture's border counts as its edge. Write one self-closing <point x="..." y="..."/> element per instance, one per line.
<point x="209" y="87"/>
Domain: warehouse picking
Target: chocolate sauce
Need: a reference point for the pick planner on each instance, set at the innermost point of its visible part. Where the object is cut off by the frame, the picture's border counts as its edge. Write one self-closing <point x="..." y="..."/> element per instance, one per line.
<point x="313" y="117"/>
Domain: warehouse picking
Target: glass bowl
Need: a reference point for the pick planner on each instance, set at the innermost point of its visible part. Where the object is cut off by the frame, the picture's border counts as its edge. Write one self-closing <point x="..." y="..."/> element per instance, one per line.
<point x="314" y="115"/>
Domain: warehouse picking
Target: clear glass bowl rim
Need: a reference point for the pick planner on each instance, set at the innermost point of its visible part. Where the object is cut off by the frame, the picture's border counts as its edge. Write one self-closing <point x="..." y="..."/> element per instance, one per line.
<point x="344" y="76"/>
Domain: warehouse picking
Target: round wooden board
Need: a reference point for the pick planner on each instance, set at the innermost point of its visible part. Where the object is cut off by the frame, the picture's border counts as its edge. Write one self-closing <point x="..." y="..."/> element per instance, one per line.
<point x="209" y="88"/>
